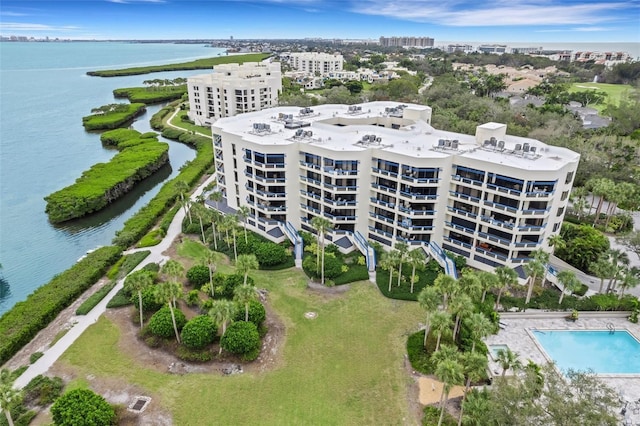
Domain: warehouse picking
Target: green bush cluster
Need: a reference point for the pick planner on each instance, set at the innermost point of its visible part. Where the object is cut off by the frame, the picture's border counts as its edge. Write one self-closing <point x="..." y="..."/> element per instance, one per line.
<point x="42" y="390"/>
<point x="403" y="292"/>
<point x="20" y="324"/>
<point x="225" y="284"/>
<point x="126" y="264"/>
<point x="82" y="407"/>
<point x="152" y="238"/>
<point x="94" y="299"/>
<point x="584" y="245"/>
<point x="114" y="119"/>
<point x="242" y="338"/>
<point x="140" y="223"/>
<point x="548" y="300"/>
<point x="149" y="300"/>
<point x="257" y="313"/>
<point x="35" y="356"/>
<point x="120" y="299"/>
<point x="161" y="323"/>
<point x="198" y="275"/>
<point x="270" y="255"/>
<point x="199" y="64"/>
<point x="194" y="355"/>
<point x="198" y="332"/>
<point x="151" y="95"/>
<point x="432" y="417"/>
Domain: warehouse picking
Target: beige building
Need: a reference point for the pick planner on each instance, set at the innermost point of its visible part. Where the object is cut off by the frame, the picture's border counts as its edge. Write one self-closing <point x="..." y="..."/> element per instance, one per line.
<point x="313" y="62"/>
<point x="233" y="89"/>
<point x="380" y="172"/>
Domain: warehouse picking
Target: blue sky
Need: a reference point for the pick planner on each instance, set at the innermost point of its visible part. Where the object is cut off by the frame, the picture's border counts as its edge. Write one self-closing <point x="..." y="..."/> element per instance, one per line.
<point x="451" y="20"/>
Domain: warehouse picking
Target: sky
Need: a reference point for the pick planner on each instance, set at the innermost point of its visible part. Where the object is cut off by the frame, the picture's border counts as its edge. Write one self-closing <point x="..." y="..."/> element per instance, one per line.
<point x="452" y="20"/>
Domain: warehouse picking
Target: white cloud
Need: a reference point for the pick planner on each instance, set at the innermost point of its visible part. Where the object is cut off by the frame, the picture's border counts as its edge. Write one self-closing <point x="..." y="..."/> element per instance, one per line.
<point x="22" y="26"/>
<point x="497" y="13"/>
<point x="135" y="1"/>
<point x="7" y="13"/>
<point x="576" y="29"/>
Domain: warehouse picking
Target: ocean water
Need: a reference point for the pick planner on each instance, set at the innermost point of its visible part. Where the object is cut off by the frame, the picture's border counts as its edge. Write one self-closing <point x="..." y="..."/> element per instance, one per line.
<point x="44" y="93"/>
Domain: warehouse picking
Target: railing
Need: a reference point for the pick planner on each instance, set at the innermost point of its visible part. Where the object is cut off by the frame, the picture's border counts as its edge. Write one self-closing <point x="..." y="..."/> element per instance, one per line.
<point x="364" y="247"/>
<point x="381" y="232"/>
<point x="342" y="188"/>
<point x="457" y="242"/>
<point x="271" y="194"/>
<point x="310" y="180"/>
<point x="445" y="261"/>
<point x="464" y="196"/>
<point x="491" y="254"/>
<point x="539" y="194"/>
<point x="432" y="181"/>
<point x="419" y="196"/>
<point x="462" y="212"/>
<point x="501" y="223"/>
<point x="384" y="172"/>
<point x="384" y="188"/>
<point x="382" y="202"/>
<point x="494" y="238"/>
<point x="382" y="218"/>
<point x="499" y="206"/>
<point x="339" y="217"/>
<point x="504" y="189"/>
<point x="310" y="194"/>
<point x="467" y="180"/>
<point x="340" y="202"/>
<point x="310" y="165"/>
<point x="531" y="227"/>
<point x="535" y="212"/>
<point x="460" y="228"/>
<point x="527" y="244"/>
<point x="413" y="212"/>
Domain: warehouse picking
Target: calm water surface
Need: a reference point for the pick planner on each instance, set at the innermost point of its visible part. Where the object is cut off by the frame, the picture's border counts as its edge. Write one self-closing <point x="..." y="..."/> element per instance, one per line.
<point x="44" y="93"/>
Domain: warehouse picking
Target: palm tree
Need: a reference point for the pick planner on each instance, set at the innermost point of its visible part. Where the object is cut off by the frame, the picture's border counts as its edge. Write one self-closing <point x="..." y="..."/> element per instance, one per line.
<point x="216" y="197"/>
<point x="630" y="279"/>
<point x="603" y="269"/>
<point x="321" y="225"/>
<point x="621" y="193"/>
<point x="222" y="311"/>
<point x="8" y="398"/>
<point x="403" y="249"/>
<point x="137" y="282"/>
<point x="210" y="259"/>
<point x="508" y="360"/>
<point x="447" y="285"/>
<point x="557" y="242"/>
<point x="243" y="294"/>
<point x="167" y="292"/>
<point x="182" y="187"/>
<point x="441" y="324"/>
<point x="568" y="281"/>
<point x="388" y="262"/>
<point x="215" y="217"/>
<point x="469" y="282"/>
<point x="246" y="263"/>
<point x="429" y="300"/>
<point x="202" y="213"/>
<point x="230" y="223"/>
<point x="507" y="277"/>
<point x="445" y="352"/>
<point x="488" y="280"/>
<point x="620" y="260"/>
<point x="474" y="366"/>
<point x="172" y="269"/>
<point x="460" y="306"/>
<point x="243" y="213"/>
<point x="450" y="373"/>
<point x="534" y="268"/>
<point x="602" y="188"/>
<point x="416" y="259"/>
<point x="480" y="327"/>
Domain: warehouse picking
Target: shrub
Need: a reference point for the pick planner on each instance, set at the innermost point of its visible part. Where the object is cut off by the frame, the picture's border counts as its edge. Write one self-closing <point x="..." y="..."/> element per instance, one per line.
<point x="242" y="338"/>
<point x="42" y="390"/>
<point x="193" y="298"/>
<point x="149" y="300"/>
<point x="94" y="299"/>
<point x="121" y="298"/>
<point x="191" y="355"/>
<point x="432" y="416"/>
<point x="20" y="324"/>
<point x="198" y="332"/>
<point x="82" y="407"/>
<point x="34" y="357"/>
<point x="152" y="238"/>
<point x="198" y="275"/>
<point x="270" y="254"/>
<point x="161" y="323"/>
<point x="226" y="284"/>
<point x="153" y="267"/>
<point x="257" y="313"/>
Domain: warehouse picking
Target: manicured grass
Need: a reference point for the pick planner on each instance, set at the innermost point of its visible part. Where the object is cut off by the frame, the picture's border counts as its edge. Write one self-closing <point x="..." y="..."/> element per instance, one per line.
<point x="151" y="95"/>
<point x="192" y="249"/>
<point x="177" y="121"/>
<point x="344" y="367"/>
<point x="615" y="92"/>
<point x="94" y="299"/>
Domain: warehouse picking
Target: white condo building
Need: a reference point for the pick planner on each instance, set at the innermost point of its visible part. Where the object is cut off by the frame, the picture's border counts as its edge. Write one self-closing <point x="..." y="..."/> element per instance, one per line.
<point x="311" y="62"/>
<point x="379" y="171"/>
<point x="233" y="89"/>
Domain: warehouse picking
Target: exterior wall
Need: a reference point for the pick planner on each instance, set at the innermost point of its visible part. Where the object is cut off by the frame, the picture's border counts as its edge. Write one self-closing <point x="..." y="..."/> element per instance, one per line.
<point x="492" y="205"/>
<point x="233" y="89"/>
<point x="312" y="62"/>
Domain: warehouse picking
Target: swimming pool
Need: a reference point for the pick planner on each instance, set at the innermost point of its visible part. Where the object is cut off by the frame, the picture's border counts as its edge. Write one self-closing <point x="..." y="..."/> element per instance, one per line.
<point x="494" y="349"/>
<point x="603" y="351"/>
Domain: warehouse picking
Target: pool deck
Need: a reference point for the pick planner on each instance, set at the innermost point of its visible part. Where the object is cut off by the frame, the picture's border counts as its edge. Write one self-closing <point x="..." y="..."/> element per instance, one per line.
<point x="515" y="332"/>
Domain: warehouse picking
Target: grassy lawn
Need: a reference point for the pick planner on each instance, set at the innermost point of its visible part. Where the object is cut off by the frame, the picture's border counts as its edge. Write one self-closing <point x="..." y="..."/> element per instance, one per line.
<point x="344" y="367"/>
<point x="177" y="121"/>
<point x="615" y="92"/>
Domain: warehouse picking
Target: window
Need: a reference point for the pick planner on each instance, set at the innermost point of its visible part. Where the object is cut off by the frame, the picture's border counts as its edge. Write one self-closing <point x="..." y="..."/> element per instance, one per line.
<point x="565" y="194"/>
<point x="569" y="177"/>
<point x="560" y="211"/>
<point x="555" y="227"/>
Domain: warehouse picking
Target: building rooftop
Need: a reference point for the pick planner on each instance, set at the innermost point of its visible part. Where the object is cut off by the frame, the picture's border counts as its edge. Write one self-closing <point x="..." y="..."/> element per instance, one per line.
<point x="357" y="128"/>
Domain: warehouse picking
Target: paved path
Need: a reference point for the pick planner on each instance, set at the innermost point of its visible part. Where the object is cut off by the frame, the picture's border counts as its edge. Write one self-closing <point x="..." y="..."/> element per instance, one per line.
<point x="82" y="322"/>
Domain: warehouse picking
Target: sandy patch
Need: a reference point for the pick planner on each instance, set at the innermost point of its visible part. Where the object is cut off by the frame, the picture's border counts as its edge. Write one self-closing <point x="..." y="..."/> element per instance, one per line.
<point x="431" y="390"/>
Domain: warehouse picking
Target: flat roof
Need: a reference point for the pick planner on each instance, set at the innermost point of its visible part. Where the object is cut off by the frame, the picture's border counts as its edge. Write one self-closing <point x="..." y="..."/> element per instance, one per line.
<point x="345" y="128"/>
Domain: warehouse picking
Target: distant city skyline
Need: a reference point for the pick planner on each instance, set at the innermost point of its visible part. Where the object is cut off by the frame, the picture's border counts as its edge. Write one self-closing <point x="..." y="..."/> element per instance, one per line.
<point x="535" y="21"/>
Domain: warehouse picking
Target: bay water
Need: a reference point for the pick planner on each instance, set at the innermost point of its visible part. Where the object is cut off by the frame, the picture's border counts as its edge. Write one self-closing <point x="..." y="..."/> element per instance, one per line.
<point x="44" y="93"/>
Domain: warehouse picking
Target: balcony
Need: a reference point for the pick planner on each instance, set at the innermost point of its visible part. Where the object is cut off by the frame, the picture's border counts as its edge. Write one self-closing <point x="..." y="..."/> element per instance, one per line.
<point x="462" y="212"/>
<point x="502" y="207"/>
<point x="340" y="172"/>
<point x="384" y="188"/>
<point x="382" y="218"/>
<point x="536" y="193"/>
<point x="341" y="188"/>
<point x="271" y="194"/>
<point x="384" y="172"/>
<point x="462" y="196"/>
<point x="338" y="217"/>
<point x="375" y="200"/>
<point x="495" y="238"/>
<point x="380" y="232"/>
<point x="310" y="194"/>
<point x="262" y="178"/>
<point x="310" y="180"/>
<point x="503" y="224"/>
<point x="418" y="195"/>
<point x="460" y="228"/>
<point x="504" y="189"/>
<point x="311" y="166"/>
<point x="535" y="212"/>
<point x="467" y="180"/>
<point x="526" y="243"/>
<point x="339" y="202"/>
<point x="489" y="253"/>
<point x="417" y="212"/>
<point x="457" y="242"/>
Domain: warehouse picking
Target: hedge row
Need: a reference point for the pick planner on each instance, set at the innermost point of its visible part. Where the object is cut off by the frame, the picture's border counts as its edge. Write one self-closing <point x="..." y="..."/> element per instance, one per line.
<point x="112" y="120"/>
<point x="141" y="222"/>
<point x="105" y="182"/>
<point x="149" y="95"/>
<point x="199" y="64"/>
<point x="20" y="324"/>
<point x="94" y="299"/>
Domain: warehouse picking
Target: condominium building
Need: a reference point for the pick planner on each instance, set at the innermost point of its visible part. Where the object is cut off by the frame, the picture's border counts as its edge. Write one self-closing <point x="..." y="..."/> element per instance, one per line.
<point x="380" y="172"/>
<point x="233" y="89"/>
<point x="312" y="62"/>
<point x="406" y="41"/>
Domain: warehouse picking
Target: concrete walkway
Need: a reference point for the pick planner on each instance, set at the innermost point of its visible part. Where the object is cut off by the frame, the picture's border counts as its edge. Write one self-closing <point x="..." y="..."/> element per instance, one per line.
<point x="82" y="322"/>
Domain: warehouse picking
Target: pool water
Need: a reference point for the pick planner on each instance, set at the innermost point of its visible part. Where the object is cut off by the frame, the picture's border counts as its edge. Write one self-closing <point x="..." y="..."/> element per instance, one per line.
<point x="494" y="349"/>
<point x="602" y="351"/>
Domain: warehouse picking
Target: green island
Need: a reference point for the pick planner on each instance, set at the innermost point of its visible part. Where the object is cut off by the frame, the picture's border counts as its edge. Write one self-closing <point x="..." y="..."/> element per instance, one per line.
<point x="198" y="64"/>
<point x="112" y="116"/>
<point x="139" y="157"/>
<point x="155" y="91"/>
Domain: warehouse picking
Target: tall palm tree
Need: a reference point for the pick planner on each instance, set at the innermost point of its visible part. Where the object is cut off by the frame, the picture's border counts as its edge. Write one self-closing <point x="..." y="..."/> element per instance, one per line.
<point x="321" y="225"/>
<point x="602" y="188"/>
<point x="480" y="327"/>
<point x="229" y="224"/>
<point x="167" y="292"/>
<point x="388" y="262"/>
<point x="488" y="281"/>
<point x="469" y="283"/>
<point x="222" y="311"/>
<point x="173" y="270"/>
<point x="450" y="373"/>
<point x="621" y="193"/>
<point x="568" y="281"/>
<point x="216" y="197"/>
<point x="215" y="218"/>
<point x="403" y="249"/>
<point x="535" y="268"/>
<point x="474" y="366"/>
<point x="9" y="397"/>
<point x="246" y="263"/>
<point x="603" y="269"/>
<point x="210" y="259"/>
<point x="447" y="285"/>
<point x="507" y="277"/>
<point x="203" y="214"/>
<point x="445" y="352"/>
<point x="138" y="281"/>
<point x="243" y="213"/>
<point x="243" y="294"/>
<point x="441" y="324"/>
<point x="461" y="305"/>
<point x="508" y="360"/>
<point x="429" y="299"/>
<point x="182" y="187"/>
<point x="630" y="279"/>
<point x="417" y="260"/>
<point x="557" y="242"/>
<point x="620" y="260"/>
